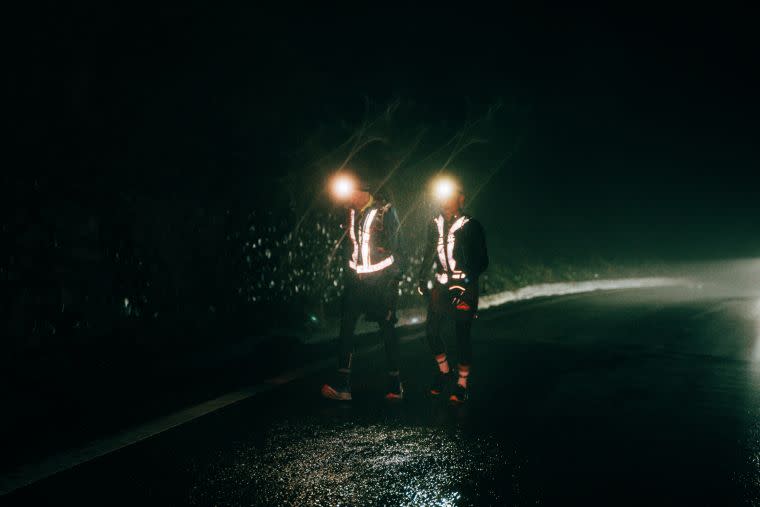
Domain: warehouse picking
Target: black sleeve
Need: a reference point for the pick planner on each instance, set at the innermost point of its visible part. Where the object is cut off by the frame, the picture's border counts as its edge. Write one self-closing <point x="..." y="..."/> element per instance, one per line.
<point x="429" y="252"/>
<point x="348" y="246"/>
<point x="477" y="249"/>
<point x="392" y="227"/>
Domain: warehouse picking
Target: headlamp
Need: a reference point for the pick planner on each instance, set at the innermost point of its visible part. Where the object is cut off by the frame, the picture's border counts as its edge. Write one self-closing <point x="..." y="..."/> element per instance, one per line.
<point x="444" y="188"/>
<point x="342" y="186"/>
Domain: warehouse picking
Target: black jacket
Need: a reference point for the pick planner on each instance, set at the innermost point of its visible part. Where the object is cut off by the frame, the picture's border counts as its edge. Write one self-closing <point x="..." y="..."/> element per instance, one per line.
<point x="470" y="251"/>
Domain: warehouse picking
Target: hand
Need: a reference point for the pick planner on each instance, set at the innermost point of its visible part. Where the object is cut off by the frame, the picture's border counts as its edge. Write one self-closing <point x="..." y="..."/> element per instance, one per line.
<point x="459" y="298"/>
<point x="456" y="294"/>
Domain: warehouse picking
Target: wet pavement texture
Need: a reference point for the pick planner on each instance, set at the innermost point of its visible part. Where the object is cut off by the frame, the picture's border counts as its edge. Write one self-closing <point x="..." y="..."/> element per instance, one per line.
<point x="631" y="397"/>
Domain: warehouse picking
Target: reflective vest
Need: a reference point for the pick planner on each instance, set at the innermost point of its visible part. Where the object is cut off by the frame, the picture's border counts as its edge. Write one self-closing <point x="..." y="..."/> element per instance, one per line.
<point x="361" y="257"/>
<point x="446" y="262"/>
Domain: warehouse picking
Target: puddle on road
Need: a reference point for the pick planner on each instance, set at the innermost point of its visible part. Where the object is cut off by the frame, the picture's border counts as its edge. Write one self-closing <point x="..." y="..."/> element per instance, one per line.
<point x="353" y="464"/>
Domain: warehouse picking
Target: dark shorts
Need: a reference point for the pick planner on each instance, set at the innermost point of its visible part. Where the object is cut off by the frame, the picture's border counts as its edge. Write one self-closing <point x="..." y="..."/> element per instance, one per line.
<point x="375" y="296"/>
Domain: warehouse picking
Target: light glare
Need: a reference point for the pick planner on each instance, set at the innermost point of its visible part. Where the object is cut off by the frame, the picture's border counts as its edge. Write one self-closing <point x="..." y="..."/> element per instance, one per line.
<point x="444" y="188"/>
<point x="342" y="187"/>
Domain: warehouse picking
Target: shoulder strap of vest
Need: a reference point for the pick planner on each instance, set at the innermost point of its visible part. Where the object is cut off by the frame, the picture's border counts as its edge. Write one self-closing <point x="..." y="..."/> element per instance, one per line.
<point x="380" y="215"/>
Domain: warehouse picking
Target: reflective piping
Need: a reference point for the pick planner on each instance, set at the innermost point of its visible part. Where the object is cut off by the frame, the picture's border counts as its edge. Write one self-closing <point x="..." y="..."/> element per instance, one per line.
<point x="365" y="234"/>
<point x="372" y="267"/>
<point x="365" y="238"/>
<point x="444" y="277"/>
<point x="441" y="253"/>
<point x="450" y="242"/>
<point x="446" y="254"/>
<point x="355" y="254"/>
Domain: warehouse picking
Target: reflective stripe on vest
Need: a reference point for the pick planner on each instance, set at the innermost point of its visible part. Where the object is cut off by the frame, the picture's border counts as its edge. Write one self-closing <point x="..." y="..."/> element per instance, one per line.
<point x="446" y="250"/>
<point x="352" y="234"/>
<point x="365" y="233"/>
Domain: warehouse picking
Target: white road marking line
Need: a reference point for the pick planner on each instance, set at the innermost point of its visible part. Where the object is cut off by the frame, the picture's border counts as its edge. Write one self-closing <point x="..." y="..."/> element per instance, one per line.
<point x="31" y="473"/>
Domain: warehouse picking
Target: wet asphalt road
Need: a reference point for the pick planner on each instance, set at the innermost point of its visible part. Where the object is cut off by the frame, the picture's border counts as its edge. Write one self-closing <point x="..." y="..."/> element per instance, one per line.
<point x="636" y="397"/>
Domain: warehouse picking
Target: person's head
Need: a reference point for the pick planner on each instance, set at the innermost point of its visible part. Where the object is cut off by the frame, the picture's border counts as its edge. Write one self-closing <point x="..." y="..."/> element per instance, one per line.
<point x="359" y="198"/>
<point x="454" y="204"/>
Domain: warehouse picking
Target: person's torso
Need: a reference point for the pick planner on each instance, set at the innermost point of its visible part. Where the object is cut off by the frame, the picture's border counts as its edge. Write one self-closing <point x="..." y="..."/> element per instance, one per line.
<point x="369" y="240"/>
<point x="453" y="248"/>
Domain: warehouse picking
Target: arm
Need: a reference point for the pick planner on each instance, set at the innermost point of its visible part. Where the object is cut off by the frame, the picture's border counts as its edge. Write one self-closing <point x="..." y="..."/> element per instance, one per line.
<point x="392" y="228"/>
<point x="428" y="253"/>
<point x="479" y="249"/>
<point x="345" y="239"/>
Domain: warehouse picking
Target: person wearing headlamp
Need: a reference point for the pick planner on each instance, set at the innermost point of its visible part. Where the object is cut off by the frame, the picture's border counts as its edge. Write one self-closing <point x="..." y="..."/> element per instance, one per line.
<point x="371" y="280"/>
<point x="456" y="243"/>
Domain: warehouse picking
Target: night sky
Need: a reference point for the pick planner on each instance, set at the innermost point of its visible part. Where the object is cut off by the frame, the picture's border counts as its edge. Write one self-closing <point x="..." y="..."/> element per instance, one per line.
<point x="627" y="133"/>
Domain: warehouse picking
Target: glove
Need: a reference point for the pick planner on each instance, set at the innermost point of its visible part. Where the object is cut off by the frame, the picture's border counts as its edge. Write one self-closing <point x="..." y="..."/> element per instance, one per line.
<point x="459" y="298"/>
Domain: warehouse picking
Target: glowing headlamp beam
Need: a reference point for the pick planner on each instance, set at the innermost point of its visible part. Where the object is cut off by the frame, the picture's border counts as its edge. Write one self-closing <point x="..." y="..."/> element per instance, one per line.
<point x="444" y="188"/>
<point x="341" y="187"/>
